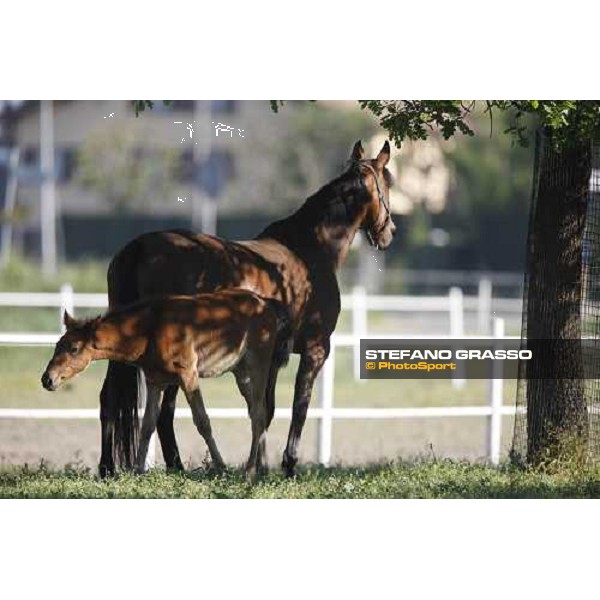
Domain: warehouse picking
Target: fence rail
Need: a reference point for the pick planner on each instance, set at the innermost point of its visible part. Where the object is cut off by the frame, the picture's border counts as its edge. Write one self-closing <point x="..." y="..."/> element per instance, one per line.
<point x="455" y="304"/>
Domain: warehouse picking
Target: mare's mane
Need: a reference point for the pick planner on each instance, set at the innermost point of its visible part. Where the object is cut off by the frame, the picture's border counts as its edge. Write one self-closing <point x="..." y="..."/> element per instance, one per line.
<point x="330" y="203"/>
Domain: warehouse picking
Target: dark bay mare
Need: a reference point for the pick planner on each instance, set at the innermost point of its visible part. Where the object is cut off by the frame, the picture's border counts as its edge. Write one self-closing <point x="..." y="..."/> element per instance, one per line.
<point x="293" y="260"/>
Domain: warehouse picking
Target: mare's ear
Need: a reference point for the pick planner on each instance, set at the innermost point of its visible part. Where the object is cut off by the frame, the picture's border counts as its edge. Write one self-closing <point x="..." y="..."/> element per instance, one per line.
<point x="383" y="158"/>
<point x="358" y="151"/>
<point x="68" y="320"/>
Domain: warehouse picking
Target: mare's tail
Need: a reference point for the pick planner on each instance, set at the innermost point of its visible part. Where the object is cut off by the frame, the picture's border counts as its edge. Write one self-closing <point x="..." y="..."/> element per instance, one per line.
<point x="125" y="383"/>
<point x="283" y="348"/>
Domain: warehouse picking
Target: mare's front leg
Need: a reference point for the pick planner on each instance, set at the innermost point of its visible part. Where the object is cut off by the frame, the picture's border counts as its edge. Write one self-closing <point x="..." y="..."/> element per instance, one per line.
<point x="166" y="433"/>
<point x="312" y="359"/>
<point x="191" y="388"/>
<point x="148" y="426"/>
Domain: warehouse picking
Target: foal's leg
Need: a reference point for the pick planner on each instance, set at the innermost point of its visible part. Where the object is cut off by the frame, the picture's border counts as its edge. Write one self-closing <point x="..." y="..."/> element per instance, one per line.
<point x="166" y="433"/>
<point x="251" y="376"/>
<point x="148" y="426"/>
<point x="244" y="383"/>
<point x="258" y="418"/>
<point x="201" y="420"/>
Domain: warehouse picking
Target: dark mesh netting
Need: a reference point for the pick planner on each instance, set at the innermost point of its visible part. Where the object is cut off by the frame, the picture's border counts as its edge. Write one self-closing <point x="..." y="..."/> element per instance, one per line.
<point x="561" y="302"/>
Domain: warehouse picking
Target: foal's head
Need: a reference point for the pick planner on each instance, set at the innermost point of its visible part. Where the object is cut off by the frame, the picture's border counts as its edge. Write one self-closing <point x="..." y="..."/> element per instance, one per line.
<point x="73" y="352"/>
<point x="377" y="223"/>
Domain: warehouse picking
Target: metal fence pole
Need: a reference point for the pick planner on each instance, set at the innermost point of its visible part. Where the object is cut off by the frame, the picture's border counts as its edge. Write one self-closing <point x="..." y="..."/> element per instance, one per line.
<point x="484" y="306"/>
<point x="496" y="389"/>
<point x="359" y="325"/>
<point x="10" y="203"/>
<point x="326" y="384"/>
<point x="457" y="324"/>
<point x="66" y="304"/>
<point x="47" y="192"/>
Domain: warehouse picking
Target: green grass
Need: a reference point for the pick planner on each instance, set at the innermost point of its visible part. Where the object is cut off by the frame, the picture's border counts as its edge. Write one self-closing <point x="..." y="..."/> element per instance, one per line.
<point x="420" y="479"/>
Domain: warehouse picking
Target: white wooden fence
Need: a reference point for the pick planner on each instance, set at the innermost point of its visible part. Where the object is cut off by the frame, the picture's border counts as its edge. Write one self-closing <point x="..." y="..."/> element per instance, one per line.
<point x="360" y="304"/>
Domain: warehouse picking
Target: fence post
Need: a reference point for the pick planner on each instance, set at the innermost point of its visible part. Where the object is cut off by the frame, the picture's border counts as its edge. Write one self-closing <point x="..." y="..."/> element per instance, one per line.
<point x="359" y="325"/>
<point x="326" y="383"/>
<point x="457" y="324"/>
<point x="496" y="389"/>
<point x="10" y="201"/>
<point x="484" y="306"/>
<point x="66" y="303"/>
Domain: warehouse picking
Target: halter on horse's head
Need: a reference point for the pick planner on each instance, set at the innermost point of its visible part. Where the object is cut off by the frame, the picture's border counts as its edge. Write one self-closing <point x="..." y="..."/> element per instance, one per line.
<point x="378" y="224"/>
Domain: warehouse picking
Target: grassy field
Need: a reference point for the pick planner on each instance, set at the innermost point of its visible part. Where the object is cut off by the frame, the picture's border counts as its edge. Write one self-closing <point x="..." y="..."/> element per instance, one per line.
<point x="421" y="479"/>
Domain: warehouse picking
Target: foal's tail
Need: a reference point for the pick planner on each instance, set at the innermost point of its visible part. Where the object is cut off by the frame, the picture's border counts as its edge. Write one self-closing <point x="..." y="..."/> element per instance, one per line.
<point x="284" y="343"/>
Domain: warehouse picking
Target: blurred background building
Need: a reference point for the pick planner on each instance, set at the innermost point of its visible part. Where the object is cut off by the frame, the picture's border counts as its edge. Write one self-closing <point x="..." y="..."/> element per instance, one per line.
<point x="231" y="167"/>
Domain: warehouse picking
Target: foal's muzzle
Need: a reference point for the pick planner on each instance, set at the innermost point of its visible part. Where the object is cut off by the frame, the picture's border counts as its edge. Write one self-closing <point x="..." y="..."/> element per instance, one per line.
<point x="47" y="382"/>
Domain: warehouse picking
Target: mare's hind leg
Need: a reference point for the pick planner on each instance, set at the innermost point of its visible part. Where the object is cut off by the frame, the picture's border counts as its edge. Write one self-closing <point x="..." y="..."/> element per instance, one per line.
<point x="166" y="433"/>
<point x="201" y="420"/>
<point x="107" y="424"/>
<point x="148" y="426"/>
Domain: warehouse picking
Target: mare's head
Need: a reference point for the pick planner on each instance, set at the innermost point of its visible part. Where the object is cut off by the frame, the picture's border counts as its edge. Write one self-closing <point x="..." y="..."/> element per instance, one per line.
<point x="73" y="352"/>
<point x="377" y="180"/>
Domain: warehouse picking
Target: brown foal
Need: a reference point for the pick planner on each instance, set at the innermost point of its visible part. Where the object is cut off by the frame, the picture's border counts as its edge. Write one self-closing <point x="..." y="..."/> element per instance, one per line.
<point x="176" y="340"/>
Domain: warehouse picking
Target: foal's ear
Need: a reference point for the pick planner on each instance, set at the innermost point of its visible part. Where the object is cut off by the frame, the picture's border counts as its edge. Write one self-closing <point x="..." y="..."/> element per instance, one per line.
<point x="358" y="151"/>
<point x="383" y="158"/>
<point x="68" y="320"/>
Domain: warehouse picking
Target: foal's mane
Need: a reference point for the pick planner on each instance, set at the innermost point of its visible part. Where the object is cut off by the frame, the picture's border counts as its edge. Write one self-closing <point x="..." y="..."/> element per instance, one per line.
<point x="90" y="323"/>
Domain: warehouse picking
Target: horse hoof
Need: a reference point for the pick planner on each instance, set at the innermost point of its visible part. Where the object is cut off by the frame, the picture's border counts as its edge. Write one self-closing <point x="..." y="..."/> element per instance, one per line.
<point x="219" y="467"/>
<point x="290" y="472"/>
<point x="176" y="467"/>
<point x="289" y="466"/>
<point x="105" y="471"/>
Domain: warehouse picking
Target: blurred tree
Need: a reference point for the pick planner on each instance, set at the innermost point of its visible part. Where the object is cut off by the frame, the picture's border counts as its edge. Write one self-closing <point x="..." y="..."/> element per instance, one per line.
<point x="298" y="152"/>
<point x="315" y="148"/>
<point x="116" y="164"/>
<point x="488" y="204"/>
